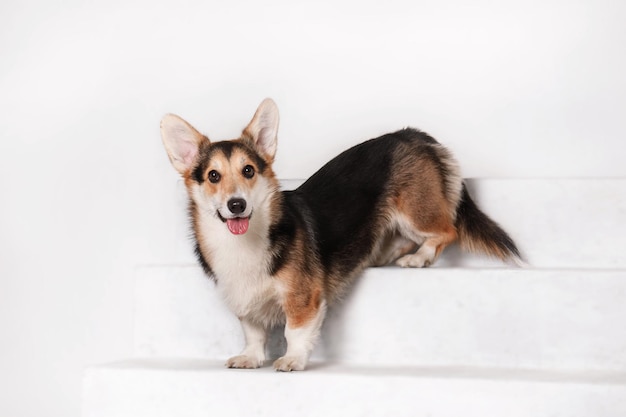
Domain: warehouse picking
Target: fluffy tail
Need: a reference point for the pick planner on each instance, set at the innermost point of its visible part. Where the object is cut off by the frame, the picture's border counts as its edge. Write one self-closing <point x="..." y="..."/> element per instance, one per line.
<point x="479" y="234"/>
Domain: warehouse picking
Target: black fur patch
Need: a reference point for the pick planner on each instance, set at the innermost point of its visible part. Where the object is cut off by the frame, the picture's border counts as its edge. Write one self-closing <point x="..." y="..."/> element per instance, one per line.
<point x="410" y="133"/>
<point x="295" y="216"/>
<point x="203" y="262"/>
<point x="481" y="227"/>
<point x="191" y="210"/>
<point x="281" y="235"/>
<point x="343" y="197"/>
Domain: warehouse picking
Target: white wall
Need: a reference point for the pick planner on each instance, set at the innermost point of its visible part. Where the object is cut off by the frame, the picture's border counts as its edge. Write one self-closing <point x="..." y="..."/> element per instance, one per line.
<point x="515" y="88"/>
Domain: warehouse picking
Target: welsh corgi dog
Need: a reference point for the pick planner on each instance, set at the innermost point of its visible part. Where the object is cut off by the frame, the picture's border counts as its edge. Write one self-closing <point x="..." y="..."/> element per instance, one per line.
<point x="282" y="257"/>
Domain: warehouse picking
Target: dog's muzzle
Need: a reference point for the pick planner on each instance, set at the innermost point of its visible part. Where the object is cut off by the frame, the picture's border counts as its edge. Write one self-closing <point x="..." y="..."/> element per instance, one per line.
<point x="237" y="225"/>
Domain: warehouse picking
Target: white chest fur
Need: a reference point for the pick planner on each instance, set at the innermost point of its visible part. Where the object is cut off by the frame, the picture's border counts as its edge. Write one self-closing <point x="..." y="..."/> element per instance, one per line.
<point x="240" y="264"/>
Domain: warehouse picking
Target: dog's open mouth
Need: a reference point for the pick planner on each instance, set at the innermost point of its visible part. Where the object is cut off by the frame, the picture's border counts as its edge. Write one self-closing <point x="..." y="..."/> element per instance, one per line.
<point x="236" y="225"/>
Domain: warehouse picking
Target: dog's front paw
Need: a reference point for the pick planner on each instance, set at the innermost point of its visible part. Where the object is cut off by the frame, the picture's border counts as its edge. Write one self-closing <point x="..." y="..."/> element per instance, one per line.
<point x="244" y="362"/>
<point x="290" y="363"/>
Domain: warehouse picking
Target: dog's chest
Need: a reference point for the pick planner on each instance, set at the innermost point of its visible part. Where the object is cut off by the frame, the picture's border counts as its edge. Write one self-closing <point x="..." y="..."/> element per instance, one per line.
<point x="240" y="264"/>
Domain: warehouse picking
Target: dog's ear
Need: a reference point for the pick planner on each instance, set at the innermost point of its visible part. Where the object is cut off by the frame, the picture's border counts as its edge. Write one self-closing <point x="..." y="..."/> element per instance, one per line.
<point x="263" y="129"/>
<point x="181" y="142"/>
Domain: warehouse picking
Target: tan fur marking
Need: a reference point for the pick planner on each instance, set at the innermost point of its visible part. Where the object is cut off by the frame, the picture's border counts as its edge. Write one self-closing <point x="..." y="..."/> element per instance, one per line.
<point x="304" y="286"/>
<point x="302" y="306"/>
<point x="422" y="200"/>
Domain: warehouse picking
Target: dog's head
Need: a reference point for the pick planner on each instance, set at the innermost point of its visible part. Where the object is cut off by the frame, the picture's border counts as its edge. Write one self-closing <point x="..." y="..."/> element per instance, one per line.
<point x="227" y="179"/>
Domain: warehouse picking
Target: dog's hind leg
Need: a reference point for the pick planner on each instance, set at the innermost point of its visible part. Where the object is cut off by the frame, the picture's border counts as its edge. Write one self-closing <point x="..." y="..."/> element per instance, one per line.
<point x="393" y="246"/>
<point x="424" y="213"/>
<point x="428" y="225"/>
<point x="430" y="249"/>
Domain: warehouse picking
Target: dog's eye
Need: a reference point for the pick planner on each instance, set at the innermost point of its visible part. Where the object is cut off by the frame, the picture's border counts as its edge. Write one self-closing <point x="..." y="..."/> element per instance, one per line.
<point x="248" y="171"/>
<point x="214" y="176"/>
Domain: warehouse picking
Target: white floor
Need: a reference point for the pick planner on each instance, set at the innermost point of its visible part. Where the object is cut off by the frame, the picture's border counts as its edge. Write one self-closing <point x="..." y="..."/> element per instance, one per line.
<point x="205" y="388"/>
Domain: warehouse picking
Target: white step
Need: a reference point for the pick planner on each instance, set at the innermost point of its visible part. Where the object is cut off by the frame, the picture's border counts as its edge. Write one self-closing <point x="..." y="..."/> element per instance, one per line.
<point x="553" y="319"/>
<point x="190" y="388"/>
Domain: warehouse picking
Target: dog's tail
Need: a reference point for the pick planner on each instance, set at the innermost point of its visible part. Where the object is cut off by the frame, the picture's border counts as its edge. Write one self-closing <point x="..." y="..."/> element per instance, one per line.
<point x="479" y="234"/>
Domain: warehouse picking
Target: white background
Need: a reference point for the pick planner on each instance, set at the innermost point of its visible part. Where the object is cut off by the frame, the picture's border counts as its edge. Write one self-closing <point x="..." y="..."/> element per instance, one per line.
<point x="516" y="88"/>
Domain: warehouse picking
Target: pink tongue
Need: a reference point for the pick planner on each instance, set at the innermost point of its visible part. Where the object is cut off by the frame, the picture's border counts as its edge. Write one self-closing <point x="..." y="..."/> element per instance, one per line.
<point x="237" y="226"/>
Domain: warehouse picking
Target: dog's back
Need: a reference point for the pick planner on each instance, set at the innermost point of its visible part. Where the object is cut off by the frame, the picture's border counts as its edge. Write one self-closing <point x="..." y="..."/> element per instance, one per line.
<point x="379" y="200"/>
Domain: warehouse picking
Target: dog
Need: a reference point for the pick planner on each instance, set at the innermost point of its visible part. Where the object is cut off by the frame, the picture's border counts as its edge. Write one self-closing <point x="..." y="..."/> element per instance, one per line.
<point x="282" y="257"/>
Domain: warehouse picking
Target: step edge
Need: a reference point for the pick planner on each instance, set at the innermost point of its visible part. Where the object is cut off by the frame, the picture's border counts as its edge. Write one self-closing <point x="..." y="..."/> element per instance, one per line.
<point x="185" y="365"/>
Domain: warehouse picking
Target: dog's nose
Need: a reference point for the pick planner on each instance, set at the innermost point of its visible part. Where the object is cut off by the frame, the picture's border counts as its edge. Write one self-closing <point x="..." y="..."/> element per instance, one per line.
<point x="236" y="205"/>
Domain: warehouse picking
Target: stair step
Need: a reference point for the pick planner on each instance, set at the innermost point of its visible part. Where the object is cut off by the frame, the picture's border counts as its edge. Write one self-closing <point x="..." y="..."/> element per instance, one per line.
<point x="552" y="319"/>
<point x="205" y="388"/>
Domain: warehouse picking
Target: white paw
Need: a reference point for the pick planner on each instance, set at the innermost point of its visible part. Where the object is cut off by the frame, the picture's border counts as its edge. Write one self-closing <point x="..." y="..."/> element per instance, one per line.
<point x="290" y="363"/>
<point x="416" y="260"/>
<point x="244" y="362"/>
